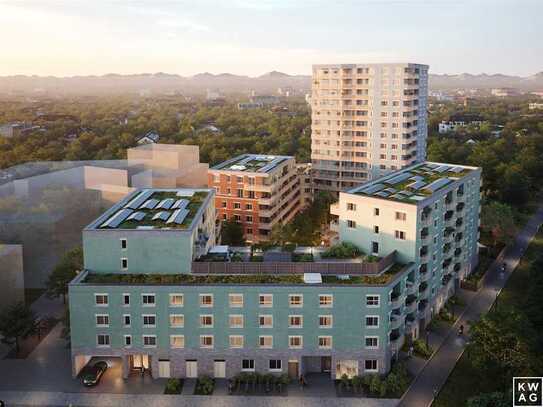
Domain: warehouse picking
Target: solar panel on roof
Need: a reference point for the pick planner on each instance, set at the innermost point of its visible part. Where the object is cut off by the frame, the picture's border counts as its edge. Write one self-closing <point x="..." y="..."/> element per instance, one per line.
<point x="372" y="188"/>
<point x="166" y="203"/>
<point x="390" y="190"/>
<point x="456" y="169"/>
<point x="434" y="186"/>
<point x="178" y="216"/>
<point x="149" y="204"/>
<point x="185" y="192"/>
<point x="398" y="178"/>
<point x="136" y="216"/>
<point x="180" y="204"/>
<point x="417" y="178"/>
<point x="417" y="198"/>
<point x="138" y="200"/>
<point x="382" y="193"/>
<point x="162" y="215"/>
<point x="117" y="219"/>
<point x="441" y="169"/>
<point x="417" y="185"/>
<point x="274" y="163"/>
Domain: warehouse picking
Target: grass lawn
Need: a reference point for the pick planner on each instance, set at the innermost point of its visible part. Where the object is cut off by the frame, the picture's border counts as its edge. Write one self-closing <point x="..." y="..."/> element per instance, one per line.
<point x="465" y="380"/>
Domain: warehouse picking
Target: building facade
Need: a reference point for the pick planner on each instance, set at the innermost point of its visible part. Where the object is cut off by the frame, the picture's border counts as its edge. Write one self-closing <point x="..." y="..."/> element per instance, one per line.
<point x="258" y="191"/>
<point x="366" y="120"/>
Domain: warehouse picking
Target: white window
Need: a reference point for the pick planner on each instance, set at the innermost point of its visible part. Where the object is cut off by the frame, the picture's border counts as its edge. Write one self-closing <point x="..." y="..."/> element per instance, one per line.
<point x="375" y="211"/>
<point x="295" y="300"/>
<point x="126" y="300"/>
<point x="206" y="300"/>
<point x="206" y="321"/>
<point x="325" y="321"/>
<point x="372" y="300"/>
<point x="127" y="341"/>
<point x="265" y="341"/>
<point x="351" y="206"/>
<point x="235" y="321"/>
<point x="376" y="229"/>
<point x="265" y="321"/>
<point x="372" y="321"/>
<point x="401" y="216"/>
<point x="399" y="234"/>
<point x="102" y="340"/>
<point x="124" y="243"/>
<point x="149" y="341"/>
<point x="236" y="341"/>
<point x="177" y="320"/>
<point x="124" y="263"/>
<point x="326" y="300"/>
<point x="295" y="342"/>
<point x="371" y="342"/>
<point x="102" y="320"/>
<point x="275" y="365"/>
<point x="149" y="321"/>
<point x="325" y="342"/>
<point x="266" y="300"/>
<point x="248" y="365"/>
<point x="351" y="224"/>
<point x="206" y="341"/>
<point x="177" y="300"/>
<point x="126" y="320"/>
<point x="177" y="341"/>
<point x="235" y="300"/>
<point x="371" y="365"/>
<point x="101" y="300"/>
<point x="148" y="300"/>
<point x="295" y="321"/>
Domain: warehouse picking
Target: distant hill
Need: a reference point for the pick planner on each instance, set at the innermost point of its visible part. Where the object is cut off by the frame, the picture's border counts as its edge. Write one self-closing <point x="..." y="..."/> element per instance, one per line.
<point x="229" y="83"/>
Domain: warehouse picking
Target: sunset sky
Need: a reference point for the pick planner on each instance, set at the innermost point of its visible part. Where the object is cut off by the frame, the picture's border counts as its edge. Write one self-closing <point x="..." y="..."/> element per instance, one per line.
<point x="251" y="37"/>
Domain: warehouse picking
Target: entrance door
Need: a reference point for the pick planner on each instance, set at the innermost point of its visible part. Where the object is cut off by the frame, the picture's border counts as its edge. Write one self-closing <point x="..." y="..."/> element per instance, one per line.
<point x="163" y="368"/>
<point x="219" y="369"/>
<point x="326" y="364"/>
<point x="293" y="369"/>
<point x="139" y="361"/>
<point x="192" y="368"/>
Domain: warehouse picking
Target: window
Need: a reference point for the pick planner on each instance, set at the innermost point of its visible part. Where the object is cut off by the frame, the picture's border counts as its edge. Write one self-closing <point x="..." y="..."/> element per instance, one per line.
<point x="240" y="193"/>
<point x="248" y="364"/>
<point x="224" y="204"/>
<point x="235" y="321"/>
<point x="177" y="341"/>
<point x="266" y="300"/>
<point x="239" y="180"/>
<point x="148" y="300"/>
<point x="237" y="205"/>
<point x="149" y="321"/>
<point x="371" y="342"/>
<point x="295" y="321"/>
<point x="325" y="342"/>
<point x="177" y="321"/>
<point x="237" y="218"/>
<point x="249" y="218"/>
<point x="295" y="342"/>
<point x="374" y="247"/>
<point x="249" y="207"/>
<point x="102" y="320"/>
<point x="126" y="320"/>
<point x="206" y="321"/>
<point x="326" y="301"/>
<point x="325" y="321"/>
<point x="206" y="341"/>
<point x="176" y="300"/>
<point x="128" y="341"/>
<point x="265" y="341"/>
<point x="295" y="300"/>
<point x="236" y="341"/>
<point x="149" y="341"/>
<point x="399" y="234"/>
<point x="206" y="300"/>
<point x="124" y="263"/>
<point x="265" y="321"/>
<point x="370" y="365"/>
<point x="235" y="300"/>
<point x="351" y="224"/>
<point x="376" y="229"/>
<point x="375" y="211"/>
<point x="101" y="300"/>
<point x="275" y="365"/>
<point x="124" y="244"/>
<point x="126" y="300"/>
<point x="372" y="300"/>
<point x="102" y="340"/>
<point x="351" y="206"/>
<point x="372" y="321"/>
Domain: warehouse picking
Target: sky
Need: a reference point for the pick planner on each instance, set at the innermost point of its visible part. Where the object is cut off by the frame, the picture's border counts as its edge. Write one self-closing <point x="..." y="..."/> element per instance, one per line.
<point x="251" y="37"/>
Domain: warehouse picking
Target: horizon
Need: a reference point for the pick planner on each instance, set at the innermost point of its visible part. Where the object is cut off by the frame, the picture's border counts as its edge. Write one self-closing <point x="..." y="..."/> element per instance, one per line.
<point x="246" y="37"/>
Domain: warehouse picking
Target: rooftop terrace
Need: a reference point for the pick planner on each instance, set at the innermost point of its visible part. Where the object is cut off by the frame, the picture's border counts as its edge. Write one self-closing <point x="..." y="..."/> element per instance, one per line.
<point x="252" y="163"/>
<point x="415" y="183"/>
<point x="149" y="209"/>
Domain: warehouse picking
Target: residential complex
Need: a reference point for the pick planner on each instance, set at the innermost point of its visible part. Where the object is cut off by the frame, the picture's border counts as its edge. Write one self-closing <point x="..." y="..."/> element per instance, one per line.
<point x="156" y="293"/>
<point x="258" y="191"/>
<point x="366" y="120"/>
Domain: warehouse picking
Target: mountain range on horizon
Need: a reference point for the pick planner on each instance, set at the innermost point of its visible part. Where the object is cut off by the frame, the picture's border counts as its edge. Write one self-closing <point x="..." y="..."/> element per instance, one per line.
<point x="231" y="83"/>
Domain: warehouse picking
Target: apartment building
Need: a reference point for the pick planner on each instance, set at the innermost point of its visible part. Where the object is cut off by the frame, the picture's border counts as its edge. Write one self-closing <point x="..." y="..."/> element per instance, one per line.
<point x="428" y="214"/>
<point x="366" y="121"/>
<point x="258" y="191"/>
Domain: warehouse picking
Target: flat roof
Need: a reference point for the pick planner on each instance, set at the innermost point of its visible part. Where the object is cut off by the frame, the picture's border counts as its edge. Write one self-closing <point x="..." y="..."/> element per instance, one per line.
<point x="154" y="209"/>
<point x="260" y="163"/>
<point x="415" y="183"/>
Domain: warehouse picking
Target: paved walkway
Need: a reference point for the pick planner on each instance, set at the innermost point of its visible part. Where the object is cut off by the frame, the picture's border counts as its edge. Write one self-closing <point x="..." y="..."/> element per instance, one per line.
<point x="438" y="368"/>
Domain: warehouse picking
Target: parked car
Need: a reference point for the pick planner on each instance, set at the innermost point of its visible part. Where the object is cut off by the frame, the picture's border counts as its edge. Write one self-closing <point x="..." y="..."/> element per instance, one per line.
<point x="92" y="374"/>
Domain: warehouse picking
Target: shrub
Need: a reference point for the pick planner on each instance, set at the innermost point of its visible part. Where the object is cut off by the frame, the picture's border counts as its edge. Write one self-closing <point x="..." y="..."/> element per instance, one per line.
<point x="204" y="386"/>
<point x="375" y="384"/>
<point x="420" y="349"/>
<point x="343" y="250"/>
<point x="173" y="386"/>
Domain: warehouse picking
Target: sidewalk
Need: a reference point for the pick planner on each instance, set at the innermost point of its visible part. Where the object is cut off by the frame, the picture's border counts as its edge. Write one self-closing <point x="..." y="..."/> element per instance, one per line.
<point x="436" y="371"/>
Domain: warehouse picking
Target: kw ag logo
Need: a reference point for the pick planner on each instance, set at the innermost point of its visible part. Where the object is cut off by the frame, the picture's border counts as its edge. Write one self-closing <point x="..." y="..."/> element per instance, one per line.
<point x="527" y="391"/>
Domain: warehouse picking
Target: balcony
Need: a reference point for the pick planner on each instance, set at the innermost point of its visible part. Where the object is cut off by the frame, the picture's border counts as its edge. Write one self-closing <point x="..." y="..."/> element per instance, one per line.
<point x="396" y="340"/>
<point x="396" y="300"/>
<point x="410" y="303"/>
<point x="411" y="288"/>
<point x="457" y="252"/>
<point x="396" y="321"/>
<point x="446" y="248"/>
<point x="448" y="216"/>
<point x="460" y="207"/>
<point x="424" y="233"/>
<point x="423" y="253"/>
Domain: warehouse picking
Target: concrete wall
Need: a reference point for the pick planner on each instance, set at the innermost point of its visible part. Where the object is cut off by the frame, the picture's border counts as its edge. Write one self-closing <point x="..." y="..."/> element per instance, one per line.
<point x="11" y="274"/>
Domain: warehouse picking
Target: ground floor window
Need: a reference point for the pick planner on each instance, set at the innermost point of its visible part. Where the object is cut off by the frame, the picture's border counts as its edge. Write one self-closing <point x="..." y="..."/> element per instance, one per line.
<point x="346" y="367"/>
<point x="371" y="365"/>
<point x="248" y="364"/>
<point x="275" y="364"/>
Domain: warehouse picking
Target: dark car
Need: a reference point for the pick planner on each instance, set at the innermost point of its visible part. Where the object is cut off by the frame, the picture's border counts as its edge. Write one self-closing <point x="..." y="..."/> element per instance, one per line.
<point x="92" y="374"/>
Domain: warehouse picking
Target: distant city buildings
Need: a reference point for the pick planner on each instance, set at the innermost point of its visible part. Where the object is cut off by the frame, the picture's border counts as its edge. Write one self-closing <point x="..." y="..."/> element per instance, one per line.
<point x="366" y="120"/>
<point x="458" y="121"/>
<point x="250" y="105"/>
<point x="535" y="106"/>
<point x="504" y="92"/>
<point x="17" y="129"/>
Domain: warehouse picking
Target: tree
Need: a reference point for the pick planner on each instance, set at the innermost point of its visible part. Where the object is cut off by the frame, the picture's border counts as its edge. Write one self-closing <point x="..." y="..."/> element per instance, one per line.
<point x="64" y="272"/>
<point x="17" y="322"/>
<point x="232" y="233"/>
<point x="496" y="399"/>
<point x="498" y="219"/>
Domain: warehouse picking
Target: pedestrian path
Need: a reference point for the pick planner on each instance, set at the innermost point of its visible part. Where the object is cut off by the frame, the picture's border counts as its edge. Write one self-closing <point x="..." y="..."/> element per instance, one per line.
<point x="436" y="371"/>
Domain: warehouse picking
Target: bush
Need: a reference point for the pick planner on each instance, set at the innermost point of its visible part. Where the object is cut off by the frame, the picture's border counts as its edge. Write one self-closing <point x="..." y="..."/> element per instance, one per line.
<point x="173" y="386"/>
<point x="343" y="250"/>
<point x="204" y="386"/>
<point x="420" y="349"/>
<point x="303" y="258"/>
<point x="392" y="386"/>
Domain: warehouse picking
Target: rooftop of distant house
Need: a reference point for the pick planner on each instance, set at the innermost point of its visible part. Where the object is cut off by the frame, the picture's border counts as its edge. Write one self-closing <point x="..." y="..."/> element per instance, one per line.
<point x="252" y="163"/>
<point x="414" y="184"/>
<point x="154" y="209"/>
